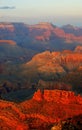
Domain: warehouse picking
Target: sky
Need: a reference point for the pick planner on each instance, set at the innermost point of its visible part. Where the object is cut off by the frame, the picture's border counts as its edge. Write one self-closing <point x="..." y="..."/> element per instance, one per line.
<point x="59" y="12"/>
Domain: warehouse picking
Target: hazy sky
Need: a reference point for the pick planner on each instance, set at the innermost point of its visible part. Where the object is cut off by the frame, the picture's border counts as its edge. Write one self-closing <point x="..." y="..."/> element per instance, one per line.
<point x="32" y="11"/>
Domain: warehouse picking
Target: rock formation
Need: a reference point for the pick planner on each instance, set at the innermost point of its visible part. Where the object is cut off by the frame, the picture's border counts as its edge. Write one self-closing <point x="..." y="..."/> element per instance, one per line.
<point x="41" y="112"/>
<point x="54" y="85"/>
<point x="47" y="30"/>
<point x="59" y="96"/>
<point x="54" y="62"/>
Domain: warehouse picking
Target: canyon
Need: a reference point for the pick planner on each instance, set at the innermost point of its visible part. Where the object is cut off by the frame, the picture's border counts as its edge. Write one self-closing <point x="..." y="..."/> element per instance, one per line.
<point x="40" y="76"/>
<point x="46" y="70"/>
<point x="29" y="40"/>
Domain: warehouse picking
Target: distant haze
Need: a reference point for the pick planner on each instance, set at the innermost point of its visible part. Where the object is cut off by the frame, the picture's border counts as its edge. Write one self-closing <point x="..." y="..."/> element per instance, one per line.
<point x="59" y="12"/>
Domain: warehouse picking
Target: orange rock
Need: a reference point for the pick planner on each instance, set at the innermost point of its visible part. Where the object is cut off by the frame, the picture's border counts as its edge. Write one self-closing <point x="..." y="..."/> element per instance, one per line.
<point x="44" y="109"/>
<point x="8" y="42"/>
<point x="59" y="96"/>
<point x="38" y="96"/>
<point x="22" y="127"/>
<point x="55" y="62"/>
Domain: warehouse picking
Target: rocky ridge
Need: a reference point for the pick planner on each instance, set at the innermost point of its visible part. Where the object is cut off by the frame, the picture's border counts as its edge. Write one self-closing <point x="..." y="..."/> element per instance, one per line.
<point x="55" y="62"/>
<point x="40" y="112"/>
<point x="59" y="96"/>
<point x="48" y="29"/>
<point x="42" y="31"/>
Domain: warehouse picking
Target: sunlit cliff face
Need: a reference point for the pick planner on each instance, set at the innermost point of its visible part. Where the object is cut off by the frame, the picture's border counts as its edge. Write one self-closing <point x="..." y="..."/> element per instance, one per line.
<point x="42" y="111"/>
<point x="54" y="62"/>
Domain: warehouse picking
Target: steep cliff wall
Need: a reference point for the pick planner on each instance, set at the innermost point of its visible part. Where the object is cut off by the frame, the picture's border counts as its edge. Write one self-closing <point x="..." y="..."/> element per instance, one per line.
<point x="59" y="96"/>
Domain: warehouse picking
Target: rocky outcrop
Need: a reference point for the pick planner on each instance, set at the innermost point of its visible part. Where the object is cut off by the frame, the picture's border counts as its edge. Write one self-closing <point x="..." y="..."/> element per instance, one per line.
<point x="59" y="96"/>
<point x="38" y="96"/>
<point x="41" y="112"/>
<point x="55" y="62"/>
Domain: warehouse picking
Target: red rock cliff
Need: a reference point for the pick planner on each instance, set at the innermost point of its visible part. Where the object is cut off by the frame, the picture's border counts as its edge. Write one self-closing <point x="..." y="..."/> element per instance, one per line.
<point x="59" y="96"/>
